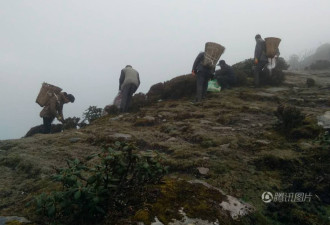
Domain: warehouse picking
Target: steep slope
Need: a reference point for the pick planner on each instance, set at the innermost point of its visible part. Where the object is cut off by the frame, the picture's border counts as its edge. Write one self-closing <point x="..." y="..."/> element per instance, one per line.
<point x="228" y="141"/>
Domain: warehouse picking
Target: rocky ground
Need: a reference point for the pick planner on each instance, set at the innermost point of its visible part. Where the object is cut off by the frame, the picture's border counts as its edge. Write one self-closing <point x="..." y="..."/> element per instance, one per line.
<point x="223" y="154"/>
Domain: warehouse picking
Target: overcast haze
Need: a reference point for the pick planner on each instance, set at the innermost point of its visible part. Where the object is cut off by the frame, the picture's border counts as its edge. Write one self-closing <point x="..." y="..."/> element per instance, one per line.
<point x="81" y="45"/>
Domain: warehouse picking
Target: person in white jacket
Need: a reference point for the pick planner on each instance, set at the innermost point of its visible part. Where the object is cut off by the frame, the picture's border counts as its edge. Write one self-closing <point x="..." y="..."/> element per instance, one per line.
<point x="129" y="82"/>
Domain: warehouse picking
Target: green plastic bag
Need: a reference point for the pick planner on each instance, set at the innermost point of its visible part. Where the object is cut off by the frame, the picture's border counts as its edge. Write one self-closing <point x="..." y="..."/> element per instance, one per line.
<point x="213" y="86"/>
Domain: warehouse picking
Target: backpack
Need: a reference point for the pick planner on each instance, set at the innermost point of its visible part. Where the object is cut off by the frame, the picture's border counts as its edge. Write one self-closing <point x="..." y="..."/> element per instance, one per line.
<point x="212" y="54"/>
<point x="46" y="92"/>
<point x="271" y="45"/>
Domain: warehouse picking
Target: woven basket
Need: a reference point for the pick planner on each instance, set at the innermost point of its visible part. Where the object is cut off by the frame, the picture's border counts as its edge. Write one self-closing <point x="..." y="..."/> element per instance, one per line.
<point x="272" y="44"/>
<point x="46" y="92"/>
<point x="213" y="51"/>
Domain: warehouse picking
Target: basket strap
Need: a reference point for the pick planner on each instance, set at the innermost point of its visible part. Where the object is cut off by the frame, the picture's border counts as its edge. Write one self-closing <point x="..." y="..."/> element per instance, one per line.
<point x="58" y="101"/>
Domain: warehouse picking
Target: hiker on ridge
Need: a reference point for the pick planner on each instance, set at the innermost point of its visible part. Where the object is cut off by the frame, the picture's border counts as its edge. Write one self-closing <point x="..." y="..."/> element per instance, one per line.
<point x="225" y="76"/>
<point x="260" y="58"/>
<point x="129" y="82"/>
<point x="54" y="109"/>
<point x="203" y="75"/>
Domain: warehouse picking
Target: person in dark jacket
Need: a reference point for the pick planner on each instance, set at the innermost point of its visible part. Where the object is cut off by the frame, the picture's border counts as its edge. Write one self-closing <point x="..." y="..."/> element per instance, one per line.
<point x="260" y="58"/>
<point x="203" y="75"/>
<point x="54" y="109"/>
<point x="225" y="76"/>
<point x="129" y="82"/>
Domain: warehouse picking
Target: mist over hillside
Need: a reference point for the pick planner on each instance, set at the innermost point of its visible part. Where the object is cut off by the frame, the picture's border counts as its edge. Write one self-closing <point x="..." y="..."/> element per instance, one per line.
<point x="320" y="57"/>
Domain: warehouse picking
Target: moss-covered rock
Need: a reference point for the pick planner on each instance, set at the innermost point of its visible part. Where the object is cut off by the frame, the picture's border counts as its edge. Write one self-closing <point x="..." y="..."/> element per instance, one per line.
<point x="196" y="200"/>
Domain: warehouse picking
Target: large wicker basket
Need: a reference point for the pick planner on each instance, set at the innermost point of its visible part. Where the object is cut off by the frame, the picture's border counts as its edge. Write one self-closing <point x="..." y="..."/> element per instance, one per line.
<point x="213" y="51"/>
<point x="46" y="92"/>
<point x="272" y="44"/>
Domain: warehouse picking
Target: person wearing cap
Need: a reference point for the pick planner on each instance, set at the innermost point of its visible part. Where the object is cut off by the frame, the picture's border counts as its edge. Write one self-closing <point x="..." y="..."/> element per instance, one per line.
<point x="54" y="109"/>
<point x="225" y="76"/>
<point x="129" y="82"/>
<point x="260" y="58"/>
<point x="203" y="74"/>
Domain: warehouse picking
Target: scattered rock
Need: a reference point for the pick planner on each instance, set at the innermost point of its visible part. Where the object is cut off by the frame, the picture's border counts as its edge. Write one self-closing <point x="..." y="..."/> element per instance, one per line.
<point x="265" y="95"/>
<point x="205" y="122"/>
<point x="263" y="142"/>
<point x="189" y="221"/>
<point x="235" y="207"/>
<point x="225" y="147"/>
<point x="6" y="219"/>
<point x="305" y="146"/>
<point x="184" y="221"/>
<point x="116" y="118"/>
<point x="222" y="128"/>
<point x="324" y="120"/>
<point x="203" y="170"/>
<point x="145" y="121"/>
<point x="120" y="136"/>
<point x="296" y="100"/>
<point x="276" y="89"/>
<point x="172" y="139"/>
<point x="74" y="140"/>
<point x="150" y="118"/>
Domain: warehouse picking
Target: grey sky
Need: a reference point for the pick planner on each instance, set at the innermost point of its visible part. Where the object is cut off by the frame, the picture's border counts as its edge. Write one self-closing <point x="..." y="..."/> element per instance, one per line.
<point x="81" y="45"/>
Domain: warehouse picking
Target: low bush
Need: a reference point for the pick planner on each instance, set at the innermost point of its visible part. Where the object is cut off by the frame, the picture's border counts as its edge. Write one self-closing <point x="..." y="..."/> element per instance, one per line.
<point x="288" y="117"/>
<point x="113" y="185"/>
<point x="92" y="113"/>
<point x="320" y="65"/>
<point x="293" y="124"/>
<point x="176" y="88"/>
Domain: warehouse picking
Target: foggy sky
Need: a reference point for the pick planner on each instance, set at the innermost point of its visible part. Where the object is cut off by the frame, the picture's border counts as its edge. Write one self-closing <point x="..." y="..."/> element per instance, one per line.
<point x="81" y="45"/>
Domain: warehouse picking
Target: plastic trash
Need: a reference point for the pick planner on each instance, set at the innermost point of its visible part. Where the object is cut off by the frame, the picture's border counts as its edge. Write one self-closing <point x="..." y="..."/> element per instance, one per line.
<point x="213" y="86"/>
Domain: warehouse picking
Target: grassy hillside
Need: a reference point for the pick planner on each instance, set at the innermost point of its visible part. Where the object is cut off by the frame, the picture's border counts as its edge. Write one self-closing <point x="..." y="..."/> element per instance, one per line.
<point x="228" y="143"/>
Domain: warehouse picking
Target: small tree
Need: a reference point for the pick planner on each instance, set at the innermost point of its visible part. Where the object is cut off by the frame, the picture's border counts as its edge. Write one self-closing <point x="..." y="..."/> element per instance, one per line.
<point x="92" y="113"/>
<point x="294" y="62"/>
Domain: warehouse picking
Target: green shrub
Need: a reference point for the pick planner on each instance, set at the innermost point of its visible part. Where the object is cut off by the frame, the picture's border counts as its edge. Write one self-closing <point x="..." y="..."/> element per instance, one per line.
<point x="275" y="77"/>
<point x="115" y="183"/>
<point x="324" y="141"/>
<point x="92" y="113"/>
<point x="288" y="117"/>
<point x="176" y="88"/>
<point x="71" y="123"/>
<point x="139" y="100"/>
<point x="245" y="69"/>
<point x="281" y="64"/>
<point x="245" y="66"/>
<point x="320" y="65"/>
<point x="294" y="125"/>
<point x="310" y="82"/>
<point x="242" y="78"/>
